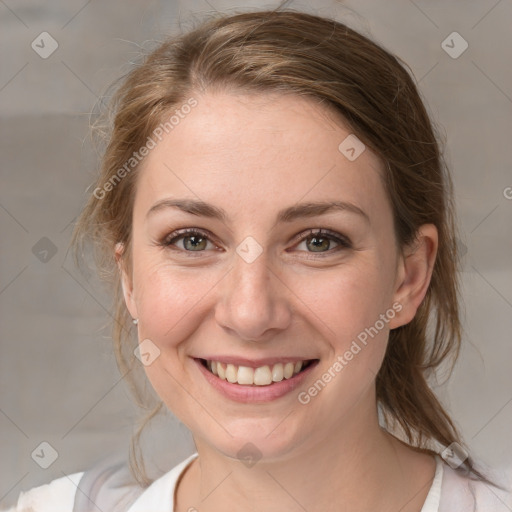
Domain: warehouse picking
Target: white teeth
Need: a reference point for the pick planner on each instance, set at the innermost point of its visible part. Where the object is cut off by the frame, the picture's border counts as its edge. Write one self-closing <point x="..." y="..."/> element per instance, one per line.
<point x="245" y="375"/>
<point x="261" y="376"/>
<point x="288" y="370"/>
<point x="231" y="373"/>
<point x="278" y="372"/>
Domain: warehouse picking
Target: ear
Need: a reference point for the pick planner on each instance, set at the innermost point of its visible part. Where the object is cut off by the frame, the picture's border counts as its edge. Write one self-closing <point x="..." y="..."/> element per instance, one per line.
<point x="126" y="281"/>
<point x="414" y="273"/>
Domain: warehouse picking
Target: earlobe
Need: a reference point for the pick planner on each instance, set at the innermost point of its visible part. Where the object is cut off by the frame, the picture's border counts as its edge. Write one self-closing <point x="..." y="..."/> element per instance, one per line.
<point x="414" y="274"/>
<point x="126" y="281"/>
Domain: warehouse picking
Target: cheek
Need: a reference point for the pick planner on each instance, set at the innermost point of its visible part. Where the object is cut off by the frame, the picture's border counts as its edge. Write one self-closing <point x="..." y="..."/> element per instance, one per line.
<point x="170" y="303"/>
<point x="346" y="309"/>
<point x="168" y="299"/>
<point x="351" y="309"/>
<point x="346" y="300"/>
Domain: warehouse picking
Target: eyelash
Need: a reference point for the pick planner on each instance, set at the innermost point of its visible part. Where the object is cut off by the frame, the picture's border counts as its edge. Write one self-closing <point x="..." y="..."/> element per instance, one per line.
<point x="342" y="241"/>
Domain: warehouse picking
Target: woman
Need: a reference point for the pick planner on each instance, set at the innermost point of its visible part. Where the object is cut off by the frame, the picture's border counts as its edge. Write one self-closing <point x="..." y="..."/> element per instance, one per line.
<point x="276" y="216"/>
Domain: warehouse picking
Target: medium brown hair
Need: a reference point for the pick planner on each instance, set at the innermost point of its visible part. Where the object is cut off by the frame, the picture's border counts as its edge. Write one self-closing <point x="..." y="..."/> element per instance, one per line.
<point x="322" y="59"/>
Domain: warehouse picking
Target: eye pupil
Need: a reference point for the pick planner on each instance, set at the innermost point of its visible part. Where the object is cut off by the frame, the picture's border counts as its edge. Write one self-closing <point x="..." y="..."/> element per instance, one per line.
<point x="318" y="244"/>
<point x="194" y="243"/>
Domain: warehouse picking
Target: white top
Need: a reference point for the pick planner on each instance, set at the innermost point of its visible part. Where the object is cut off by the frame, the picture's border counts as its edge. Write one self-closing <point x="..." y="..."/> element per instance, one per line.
<point x="450" y="492"/>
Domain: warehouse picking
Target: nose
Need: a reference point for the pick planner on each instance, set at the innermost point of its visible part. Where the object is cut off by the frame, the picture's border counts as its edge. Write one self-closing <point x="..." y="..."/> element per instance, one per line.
<point x="253" y="301"/>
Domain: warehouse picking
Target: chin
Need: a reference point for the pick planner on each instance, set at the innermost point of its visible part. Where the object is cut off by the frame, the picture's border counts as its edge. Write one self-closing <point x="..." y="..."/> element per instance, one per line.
<point x="255" y="439"/>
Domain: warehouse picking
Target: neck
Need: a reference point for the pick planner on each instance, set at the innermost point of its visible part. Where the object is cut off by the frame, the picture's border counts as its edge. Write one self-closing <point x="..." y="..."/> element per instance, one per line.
<point x="357" y="464"/>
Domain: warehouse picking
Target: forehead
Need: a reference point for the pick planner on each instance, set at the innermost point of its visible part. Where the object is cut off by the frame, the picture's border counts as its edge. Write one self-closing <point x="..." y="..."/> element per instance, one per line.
<point x="259" y="152"/>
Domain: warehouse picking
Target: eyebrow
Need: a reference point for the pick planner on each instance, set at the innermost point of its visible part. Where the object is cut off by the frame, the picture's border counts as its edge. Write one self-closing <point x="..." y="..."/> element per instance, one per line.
<point x="302" y="210"/>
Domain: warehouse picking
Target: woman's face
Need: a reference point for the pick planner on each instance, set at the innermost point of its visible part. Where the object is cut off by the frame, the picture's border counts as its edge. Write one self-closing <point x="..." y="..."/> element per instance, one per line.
<point x="228" y="267"/>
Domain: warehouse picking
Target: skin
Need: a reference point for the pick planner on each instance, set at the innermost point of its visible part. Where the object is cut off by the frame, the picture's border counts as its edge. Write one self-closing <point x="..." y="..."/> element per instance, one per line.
<point x="252" y="156"/>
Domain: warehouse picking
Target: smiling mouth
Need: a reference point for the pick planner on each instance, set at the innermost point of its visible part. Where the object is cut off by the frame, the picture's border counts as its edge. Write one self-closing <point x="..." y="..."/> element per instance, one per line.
<point x="262" y="376"/>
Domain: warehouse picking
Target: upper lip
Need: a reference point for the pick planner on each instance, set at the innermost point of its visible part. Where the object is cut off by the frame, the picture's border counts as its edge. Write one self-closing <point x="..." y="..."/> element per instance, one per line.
<point x="255" y="363"/>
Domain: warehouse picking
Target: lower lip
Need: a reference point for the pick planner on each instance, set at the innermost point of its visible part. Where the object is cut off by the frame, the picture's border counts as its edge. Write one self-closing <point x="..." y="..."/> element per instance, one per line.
<point x="255" y="394"/>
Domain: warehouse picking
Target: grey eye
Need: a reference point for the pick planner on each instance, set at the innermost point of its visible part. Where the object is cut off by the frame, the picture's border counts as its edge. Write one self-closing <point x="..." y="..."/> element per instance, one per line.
<point x="318" y="243"/>
<point x="194" y="242"/>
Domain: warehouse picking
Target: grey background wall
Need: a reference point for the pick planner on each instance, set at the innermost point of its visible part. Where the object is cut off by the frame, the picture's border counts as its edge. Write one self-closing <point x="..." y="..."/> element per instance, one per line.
<point x="58" y="379"/>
